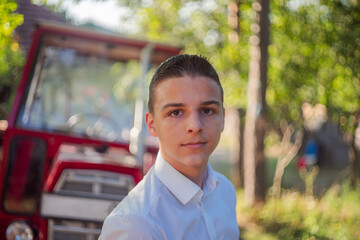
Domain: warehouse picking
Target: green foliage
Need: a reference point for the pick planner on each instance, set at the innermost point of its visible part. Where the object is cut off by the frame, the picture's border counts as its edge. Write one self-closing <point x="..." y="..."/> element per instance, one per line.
<point x="201" y="27"/>
<point x="314" y="57"/>
<point x="294" y="216"/>
<point x="11" y="57"/>
<point x="9" y="47"/>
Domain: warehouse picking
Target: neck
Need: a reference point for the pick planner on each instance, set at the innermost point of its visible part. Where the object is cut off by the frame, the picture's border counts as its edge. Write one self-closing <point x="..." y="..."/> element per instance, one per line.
<point x="198" y="179"/>
<point x="196" y="175"/>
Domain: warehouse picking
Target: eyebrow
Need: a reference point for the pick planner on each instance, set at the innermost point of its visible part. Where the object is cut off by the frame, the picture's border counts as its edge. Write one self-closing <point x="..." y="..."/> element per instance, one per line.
<point x="211" y="102"/>
<point x="169" y="105"/>
<point x="205" y="103"/>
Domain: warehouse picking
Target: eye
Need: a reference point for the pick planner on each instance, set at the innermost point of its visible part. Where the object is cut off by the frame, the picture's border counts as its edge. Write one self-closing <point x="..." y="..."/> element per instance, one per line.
<point x="175" y="113"/>
<point x="207" y="111"/>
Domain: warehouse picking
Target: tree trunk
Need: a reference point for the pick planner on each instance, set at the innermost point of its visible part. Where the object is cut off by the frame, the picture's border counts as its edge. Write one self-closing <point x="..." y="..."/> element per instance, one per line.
<point x="353" y="155"/>
<point x="254" y="164"/>
<point x="237" y="153"/>
<point x="288" y="152"/>
<point x="353" y="164"/>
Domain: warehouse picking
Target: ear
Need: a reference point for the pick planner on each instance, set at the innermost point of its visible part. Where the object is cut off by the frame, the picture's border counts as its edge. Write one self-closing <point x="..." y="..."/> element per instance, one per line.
<point x="149" y="120"/>
<point x="223" y="120"/>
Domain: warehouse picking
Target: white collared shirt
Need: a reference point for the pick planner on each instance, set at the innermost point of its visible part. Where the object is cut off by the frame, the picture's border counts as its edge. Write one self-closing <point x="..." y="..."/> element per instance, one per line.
<point x="167" y="205"/>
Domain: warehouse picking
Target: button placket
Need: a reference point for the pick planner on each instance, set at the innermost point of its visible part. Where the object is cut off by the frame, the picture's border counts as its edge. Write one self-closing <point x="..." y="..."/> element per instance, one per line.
<point x="208" y="221"/>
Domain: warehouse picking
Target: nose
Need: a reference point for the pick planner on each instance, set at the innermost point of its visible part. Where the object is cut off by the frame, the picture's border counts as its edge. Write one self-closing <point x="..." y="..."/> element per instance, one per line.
<point x="194" y="124"/>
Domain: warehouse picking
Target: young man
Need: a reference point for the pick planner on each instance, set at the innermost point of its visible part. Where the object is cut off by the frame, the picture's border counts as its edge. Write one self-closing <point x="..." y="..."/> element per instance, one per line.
<point x="181" y="197"/>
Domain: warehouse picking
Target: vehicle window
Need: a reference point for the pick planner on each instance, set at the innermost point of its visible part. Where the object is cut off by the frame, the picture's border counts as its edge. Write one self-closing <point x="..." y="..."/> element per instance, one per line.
<point x="24" y="173"/>
<point x="81" y="92"/>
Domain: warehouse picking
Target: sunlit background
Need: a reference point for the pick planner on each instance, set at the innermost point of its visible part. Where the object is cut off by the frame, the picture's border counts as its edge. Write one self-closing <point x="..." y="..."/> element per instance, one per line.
<point x="107" y="14"/>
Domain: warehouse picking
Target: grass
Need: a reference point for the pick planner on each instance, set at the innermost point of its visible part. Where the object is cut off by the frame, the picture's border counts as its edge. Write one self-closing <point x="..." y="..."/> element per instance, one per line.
<point x="332" y="212"/>
<point x="335" y="215"/>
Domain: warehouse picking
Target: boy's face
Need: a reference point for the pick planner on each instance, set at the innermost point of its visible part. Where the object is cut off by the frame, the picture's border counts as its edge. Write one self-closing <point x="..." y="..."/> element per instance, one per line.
<point x="188" y="119"/>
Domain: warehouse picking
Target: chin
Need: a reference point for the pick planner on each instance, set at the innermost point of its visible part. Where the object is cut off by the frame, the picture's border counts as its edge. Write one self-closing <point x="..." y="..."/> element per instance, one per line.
<point x="197" y="161"/>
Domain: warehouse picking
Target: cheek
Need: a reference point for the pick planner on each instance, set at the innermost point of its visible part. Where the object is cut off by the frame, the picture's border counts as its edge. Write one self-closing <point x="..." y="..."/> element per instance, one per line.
<point x="167" y="129"/>
<point x="214" y="125"/>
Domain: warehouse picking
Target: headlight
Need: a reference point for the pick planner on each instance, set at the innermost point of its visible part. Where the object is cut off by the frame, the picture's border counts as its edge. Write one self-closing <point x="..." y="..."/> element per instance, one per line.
<point x="19" y="230"/>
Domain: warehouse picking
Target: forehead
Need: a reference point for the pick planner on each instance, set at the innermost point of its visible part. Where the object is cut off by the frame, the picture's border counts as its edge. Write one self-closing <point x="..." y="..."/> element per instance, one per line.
<point x="187" y="88"/>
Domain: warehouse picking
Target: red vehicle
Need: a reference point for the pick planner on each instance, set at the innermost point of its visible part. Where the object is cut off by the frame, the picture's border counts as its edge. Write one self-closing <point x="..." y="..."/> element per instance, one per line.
<point x="73" y="148"/>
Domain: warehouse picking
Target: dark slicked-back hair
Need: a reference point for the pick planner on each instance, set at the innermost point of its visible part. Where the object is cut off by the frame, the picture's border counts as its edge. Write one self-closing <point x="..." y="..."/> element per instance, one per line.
<point x="180" y="66"/>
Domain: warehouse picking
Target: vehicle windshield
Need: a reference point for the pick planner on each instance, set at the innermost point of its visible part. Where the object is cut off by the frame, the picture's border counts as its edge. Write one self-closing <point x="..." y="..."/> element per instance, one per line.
<point x="81" y="89"/>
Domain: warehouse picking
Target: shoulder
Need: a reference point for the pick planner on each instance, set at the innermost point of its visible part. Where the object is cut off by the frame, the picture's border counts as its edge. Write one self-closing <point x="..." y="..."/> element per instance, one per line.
<point x="130" y="218"/>
<point x="117" y="227"/>
<point x="141" y="198"/>
<point x="224" y="182"/>
<point x="225" y="187"/>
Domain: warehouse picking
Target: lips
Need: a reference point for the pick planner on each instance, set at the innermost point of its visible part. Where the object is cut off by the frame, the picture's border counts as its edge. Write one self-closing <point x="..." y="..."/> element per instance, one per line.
<point x="194" y="144"/>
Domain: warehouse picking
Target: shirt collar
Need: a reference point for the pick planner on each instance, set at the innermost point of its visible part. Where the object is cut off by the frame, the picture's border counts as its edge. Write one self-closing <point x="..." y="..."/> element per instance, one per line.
<point x="179" y="185"/>
<point x="210" y="180"/>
